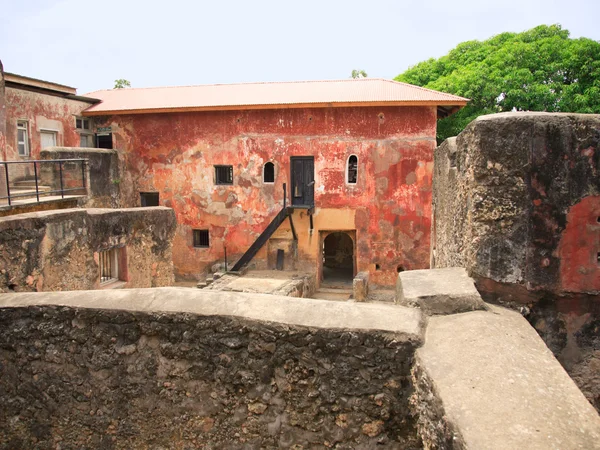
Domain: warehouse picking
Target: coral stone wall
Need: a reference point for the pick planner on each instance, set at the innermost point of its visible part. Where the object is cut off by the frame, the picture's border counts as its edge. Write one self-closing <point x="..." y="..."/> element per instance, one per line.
<point x="516" y="202"/>
<point x="389" y="206"/>
<point x="86" y="378"/>
<point x="59" y="250"/>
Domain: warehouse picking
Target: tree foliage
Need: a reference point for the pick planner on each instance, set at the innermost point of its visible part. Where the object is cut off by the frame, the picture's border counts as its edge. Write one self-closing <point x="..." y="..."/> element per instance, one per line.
<point x="122" y="83"/>
<point x="541" y="69"/>
<point x="357" y="73"/>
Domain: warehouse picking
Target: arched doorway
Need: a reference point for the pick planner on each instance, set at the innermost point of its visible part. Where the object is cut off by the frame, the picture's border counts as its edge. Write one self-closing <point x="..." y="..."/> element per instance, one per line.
<point x="338" y="258"/>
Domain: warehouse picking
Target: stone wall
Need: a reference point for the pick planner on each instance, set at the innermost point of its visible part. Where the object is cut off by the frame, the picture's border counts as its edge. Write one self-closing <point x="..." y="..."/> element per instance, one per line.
<point x="516" y="202"/>
<point x="309" y="374"/>
<point x="102" y="173"/>
<point x="59" y="250"/>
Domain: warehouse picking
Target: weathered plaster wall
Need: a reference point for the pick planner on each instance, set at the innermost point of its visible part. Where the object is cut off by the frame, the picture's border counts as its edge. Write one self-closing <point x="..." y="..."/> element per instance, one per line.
<point x="2" y="120"/>
<point x="517" y="202"/>
<point x="304" y="377"/>
<point x="102" y="173"/>
<point x="58" y="250"/>
<point x="42" y="111"/>
<point x="389" y="207"/>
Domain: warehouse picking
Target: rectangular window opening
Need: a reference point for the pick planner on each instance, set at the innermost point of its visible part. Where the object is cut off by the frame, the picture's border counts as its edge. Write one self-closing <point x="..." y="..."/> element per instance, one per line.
<point x="48" y="138"/>
<point x="223" y="174"/>
<point x="149" y="198"/>
<point x="22" y="138"/>
<point x="201" y="238"/>
<point x="109" y="265"/>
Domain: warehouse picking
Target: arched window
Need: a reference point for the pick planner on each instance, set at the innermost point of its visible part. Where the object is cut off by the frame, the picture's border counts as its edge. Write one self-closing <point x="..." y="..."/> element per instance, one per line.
<point x="269" y="173"/>
<point x="352" y="169"/>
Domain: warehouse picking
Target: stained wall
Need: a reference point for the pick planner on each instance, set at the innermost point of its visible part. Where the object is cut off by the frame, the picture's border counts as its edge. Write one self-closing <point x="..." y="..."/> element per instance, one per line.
<point x="517" y="202"/>
<point x="389" y="206"/>
<point x="42" y="111"/>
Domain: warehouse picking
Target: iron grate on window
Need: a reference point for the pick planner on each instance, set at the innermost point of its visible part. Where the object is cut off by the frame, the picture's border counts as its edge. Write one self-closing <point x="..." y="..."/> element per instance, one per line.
<point x="109" y="265"/>
<point x="224" y="174"/>
<point x="201" y="238"/>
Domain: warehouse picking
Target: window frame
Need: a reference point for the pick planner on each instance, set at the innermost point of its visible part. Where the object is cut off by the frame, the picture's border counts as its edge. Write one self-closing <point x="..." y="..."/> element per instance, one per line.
<point x="348" y="182"/>
<point x="219" y="169"/>
<point x="49" y="131"/>
<point x="85" y="131"/>
<point x="112" y="257"/>
<point x="23" y="125"/>
<point x="200" y="241"/>
<point x="264" y="169"/>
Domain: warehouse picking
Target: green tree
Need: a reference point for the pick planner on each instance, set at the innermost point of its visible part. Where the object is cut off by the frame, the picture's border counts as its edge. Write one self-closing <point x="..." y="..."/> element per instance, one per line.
<point x="122" y="83"/>
<point x="358" y="74"/>
<point x="541" y="69"/>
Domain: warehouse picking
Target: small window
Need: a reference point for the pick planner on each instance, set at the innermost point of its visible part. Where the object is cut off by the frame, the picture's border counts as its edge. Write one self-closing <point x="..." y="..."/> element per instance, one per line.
<point x="223" y="174"/>
<point x="82" y="124"/>
<point x="352" y="169"/>
<point x="22" y="138"/>
<point x="109" y="265"/>
<point x="269" y="173"/>
<point x="149" y="198"/>
<point x="201" y="238"/>
<point x="86" y="140"/>
<point x="48" y="139"/>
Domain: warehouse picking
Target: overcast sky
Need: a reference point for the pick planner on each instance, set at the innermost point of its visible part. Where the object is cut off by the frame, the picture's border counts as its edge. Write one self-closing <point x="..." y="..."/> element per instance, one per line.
<point x="89" y="44"/>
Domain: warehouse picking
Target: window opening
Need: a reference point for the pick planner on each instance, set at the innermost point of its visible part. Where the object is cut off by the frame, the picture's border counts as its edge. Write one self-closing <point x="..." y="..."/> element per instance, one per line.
<point x="149" y="198"/>
<point x="201" y="238"/>
<point x="269" y="173"/>
<point x="22" y="138"/>
<point x="104" y="141"/>
<point x="223" y="174"/>
<point x="109" y="265"/>
<point x="82" y="124"/>
<point x="352" y="173"/>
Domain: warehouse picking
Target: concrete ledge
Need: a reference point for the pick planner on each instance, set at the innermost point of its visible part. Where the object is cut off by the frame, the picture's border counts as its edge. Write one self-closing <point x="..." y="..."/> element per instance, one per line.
<point x="405" y="323"/>
<point x="497" y="386"/>
<point x="438" y="291"/>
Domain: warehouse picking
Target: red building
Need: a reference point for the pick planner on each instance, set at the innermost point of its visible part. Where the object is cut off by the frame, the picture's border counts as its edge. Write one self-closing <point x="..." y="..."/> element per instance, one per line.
<point x="355" y="155"/>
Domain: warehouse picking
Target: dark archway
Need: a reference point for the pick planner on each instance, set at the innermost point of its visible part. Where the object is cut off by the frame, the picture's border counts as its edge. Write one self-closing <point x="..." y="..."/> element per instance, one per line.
<point x="338" y="258"/>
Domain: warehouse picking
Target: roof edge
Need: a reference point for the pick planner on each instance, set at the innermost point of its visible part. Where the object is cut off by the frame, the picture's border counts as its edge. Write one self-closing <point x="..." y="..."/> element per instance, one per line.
<point x="117" y="112"/>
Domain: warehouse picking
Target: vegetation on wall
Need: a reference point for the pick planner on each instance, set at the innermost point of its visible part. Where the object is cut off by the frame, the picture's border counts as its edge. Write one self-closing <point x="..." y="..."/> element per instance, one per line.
<point x="541" y="69"/>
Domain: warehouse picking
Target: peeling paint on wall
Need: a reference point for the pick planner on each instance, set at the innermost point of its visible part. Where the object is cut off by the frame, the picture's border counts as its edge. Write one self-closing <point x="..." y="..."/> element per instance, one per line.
<point x="389" y="206"/>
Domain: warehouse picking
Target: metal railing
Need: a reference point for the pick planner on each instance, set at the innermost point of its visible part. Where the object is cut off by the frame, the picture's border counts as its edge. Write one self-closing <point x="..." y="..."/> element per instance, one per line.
<point x="62" y="176"/>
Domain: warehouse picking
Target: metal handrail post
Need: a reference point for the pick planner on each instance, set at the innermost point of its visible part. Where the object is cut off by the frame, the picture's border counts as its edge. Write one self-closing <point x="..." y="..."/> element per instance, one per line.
<point x="37" y="190"/>
<point x="284" y="195"/>
<point x="83" y="176"/>
<point x="62" y="191"/>
<point x="7" y="183"/>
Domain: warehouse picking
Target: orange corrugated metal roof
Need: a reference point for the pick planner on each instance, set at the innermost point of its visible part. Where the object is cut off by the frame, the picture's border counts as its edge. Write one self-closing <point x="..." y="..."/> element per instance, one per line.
<point x="365" y="91"/>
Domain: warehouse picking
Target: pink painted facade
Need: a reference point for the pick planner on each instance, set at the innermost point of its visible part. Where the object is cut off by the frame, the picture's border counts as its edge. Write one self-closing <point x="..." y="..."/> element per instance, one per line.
<point x="388" y="210"/>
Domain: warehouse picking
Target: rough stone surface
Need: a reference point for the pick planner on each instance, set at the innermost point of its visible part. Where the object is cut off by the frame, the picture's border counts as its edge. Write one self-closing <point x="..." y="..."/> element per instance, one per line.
<point x="496" y="385"/>
<point x="102" y="173"/>
<point x="58" y="250"/>
<point x="438" y="291"/>
<point x="360" y="286"/>
<point x="290" y="284"/>
<point x="515" y="200"/>
<point x="228" y="371"/>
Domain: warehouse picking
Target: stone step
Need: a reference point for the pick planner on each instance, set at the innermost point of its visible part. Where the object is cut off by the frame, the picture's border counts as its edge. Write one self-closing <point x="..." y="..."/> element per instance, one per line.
<point x="332" y="290"/>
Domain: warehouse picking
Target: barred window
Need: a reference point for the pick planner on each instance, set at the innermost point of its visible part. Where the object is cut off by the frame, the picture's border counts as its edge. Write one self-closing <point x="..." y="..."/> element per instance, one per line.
<point x="201" y="239"/>
<point x="109" y="265"/>
<point x="223" y="174"/>
<point x="352" y="169"/>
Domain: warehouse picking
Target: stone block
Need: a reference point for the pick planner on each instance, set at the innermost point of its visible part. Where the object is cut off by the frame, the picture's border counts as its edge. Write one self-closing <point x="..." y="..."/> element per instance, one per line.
<point x="360" y="286"/>
<point x="438" y="291"/>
